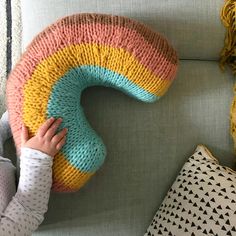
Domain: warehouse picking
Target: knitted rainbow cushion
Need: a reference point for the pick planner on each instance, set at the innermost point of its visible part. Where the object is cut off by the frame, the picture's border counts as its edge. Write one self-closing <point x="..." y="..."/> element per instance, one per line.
<point x="72" y="54"/>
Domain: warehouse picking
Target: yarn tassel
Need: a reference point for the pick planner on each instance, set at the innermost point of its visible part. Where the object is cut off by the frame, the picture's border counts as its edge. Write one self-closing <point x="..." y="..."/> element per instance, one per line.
<point x="233" y="119"/>
<point x="228" y="53"/>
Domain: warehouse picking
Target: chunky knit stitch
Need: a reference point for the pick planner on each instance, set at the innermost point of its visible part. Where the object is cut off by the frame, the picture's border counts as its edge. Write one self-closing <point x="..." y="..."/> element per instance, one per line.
<point x="72" y="54"/>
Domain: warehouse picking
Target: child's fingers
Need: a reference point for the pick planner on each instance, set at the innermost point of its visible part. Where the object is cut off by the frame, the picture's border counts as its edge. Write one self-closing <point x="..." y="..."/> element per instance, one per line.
<point x="59" y="136"/>
<point x="44" y="128"/>
<point x="52" y="129"/>
<point x="61" y="143"/>
<point x="24" y="135"/>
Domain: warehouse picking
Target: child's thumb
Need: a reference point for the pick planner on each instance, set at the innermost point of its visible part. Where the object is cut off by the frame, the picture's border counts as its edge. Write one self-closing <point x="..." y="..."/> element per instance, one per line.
<point x="24" y="135"/>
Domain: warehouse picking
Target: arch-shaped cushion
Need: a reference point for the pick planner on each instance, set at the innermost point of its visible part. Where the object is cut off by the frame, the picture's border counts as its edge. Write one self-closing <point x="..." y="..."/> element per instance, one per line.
<point x="72" y="54"/>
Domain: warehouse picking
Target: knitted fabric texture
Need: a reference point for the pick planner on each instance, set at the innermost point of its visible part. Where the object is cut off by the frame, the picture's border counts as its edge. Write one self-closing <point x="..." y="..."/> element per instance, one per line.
<point x="72" y="54"/>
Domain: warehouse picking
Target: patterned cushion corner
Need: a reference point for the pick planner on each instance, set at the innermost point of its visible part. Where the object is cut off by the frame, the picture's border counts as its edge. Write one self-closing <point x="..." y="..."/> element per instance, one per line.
<point x="202" y="200"/>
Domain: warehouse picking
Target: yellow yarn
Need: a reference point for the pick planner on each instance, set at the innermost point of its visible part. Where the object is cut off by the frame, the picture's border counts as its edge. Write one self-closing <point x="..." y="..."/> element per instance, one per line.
<point x="59" y="170"/>
<point x="233" y="120"/>
<point x="55" y="66"/>
<point x="228" y="53"/>
<point x="38" y="88"/>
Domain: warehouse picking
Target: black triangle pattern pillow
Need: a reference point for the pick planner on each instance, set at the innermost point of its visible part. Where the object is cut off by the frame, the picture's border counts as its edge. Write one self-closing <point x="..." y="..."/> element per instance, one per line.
<point x="202" y="200"/>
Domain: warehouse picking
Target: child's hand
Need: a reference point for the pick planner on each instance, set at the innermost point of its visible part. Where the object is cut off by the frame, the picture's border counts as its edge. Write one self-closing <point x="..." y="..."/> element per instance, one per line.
<point x="45" y="139"/>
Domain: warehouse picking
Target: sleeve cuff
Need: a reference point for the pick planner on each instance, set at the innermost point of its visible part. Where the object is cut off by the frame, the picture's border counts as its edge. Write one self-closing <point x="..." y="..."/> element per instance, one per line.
<point x="35" y="156"/>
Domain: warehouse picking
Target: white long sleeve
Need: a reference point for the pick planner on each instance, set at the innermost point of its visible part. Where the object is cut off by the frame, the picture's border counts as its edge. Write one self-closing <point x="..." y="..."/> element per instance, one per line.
<point x="25" y="211"/>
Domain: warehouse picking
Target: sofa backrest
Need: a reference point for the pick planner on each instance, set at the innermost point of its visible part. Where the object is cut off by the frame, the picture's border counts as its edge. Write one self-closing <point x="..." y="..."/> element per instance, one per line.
<point x="193" y="27"/>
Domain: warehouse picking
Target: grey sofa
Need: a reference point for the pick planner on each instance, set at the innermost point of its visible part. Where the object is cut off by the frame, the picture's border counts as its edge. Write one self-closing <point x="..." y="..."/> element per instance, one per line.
<point x="147" y="144"/>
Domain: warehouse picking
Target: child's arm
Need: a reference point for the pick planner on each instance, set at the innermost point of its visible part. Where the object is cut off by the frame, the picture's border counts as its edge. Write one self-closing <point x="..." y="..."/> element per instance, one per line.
<point x="26" y="211"/>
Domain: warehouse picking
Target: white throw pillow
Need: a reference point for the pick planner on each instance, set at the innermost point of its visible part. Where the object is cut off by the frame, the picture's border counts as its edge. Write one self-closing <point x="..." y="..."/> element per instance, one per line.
<point x="202" y="200"/>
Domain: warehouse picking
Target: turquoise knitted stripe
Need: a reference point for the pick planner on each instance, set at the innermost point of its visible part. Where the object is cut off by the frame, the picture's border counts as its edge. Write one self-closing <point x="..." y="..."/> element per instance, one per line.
<point x="84" y="147"/>
<point x="108" y="78"/>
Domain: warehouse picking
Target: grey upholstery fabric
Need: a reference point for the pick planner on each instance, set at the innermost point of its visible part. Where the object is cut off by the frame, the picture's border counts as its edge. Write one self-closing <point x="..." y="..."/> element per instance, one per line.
<point x="147" y="143"/>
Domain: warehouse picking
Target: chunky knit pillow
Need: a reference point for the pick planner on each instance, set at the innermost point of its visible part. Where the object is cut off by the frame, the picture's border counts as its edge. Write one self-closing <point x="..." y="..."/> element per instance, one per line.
<point x="202" y="200"/>
<point x="70" y="55"/>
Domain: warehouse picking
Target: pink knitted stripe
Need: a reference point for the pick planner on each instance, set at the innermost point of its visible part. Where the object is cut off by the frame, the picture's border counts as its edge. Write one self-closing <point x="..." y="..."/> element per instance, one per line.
<point x="60" y="36"/>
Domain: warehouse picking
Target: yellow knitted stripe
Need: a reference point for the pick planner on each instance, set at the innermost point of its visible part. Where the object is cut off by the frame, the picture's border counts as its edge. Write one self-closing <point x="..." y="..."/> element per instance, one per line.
<point x="67" y="175"/>
<point x="115" y="59"/>
<point x="38" y="89"/>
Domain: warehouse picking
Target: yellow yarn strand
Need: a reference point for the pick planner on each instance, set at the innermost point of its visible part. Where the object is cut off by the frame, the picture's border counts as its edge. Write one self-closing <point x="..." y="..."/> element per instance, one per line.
<point x="38" y="89"/>
<point x="228" y="53"/>
<point x="233" y="121"/>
